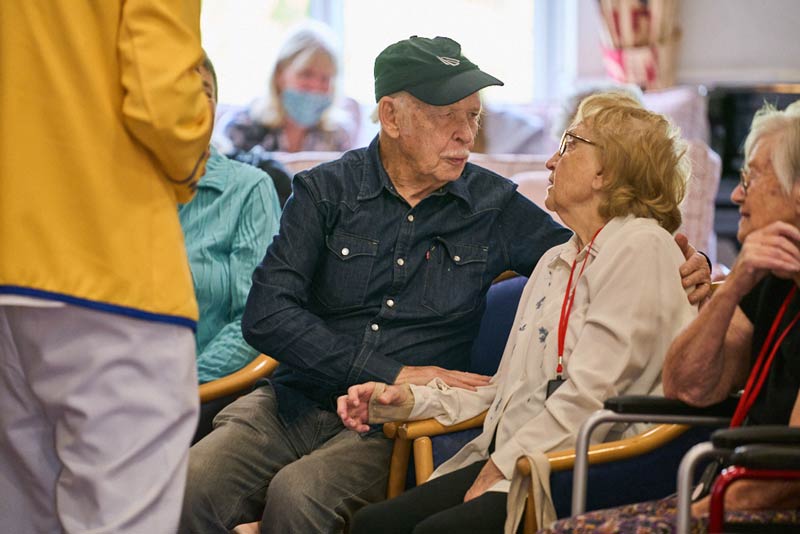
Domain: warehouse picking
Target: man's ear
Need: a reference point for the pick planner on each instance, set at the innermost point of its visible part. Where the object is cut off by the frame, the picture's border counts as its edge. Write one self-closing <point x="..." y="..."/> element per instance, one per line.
<point x="388" y="111"/>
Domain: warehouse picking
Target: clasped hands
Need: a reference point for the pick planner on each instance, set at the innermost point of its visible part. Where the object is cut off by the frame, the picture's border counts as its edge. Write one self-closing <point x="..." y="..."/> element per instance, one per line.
<point x="353" y="408"/>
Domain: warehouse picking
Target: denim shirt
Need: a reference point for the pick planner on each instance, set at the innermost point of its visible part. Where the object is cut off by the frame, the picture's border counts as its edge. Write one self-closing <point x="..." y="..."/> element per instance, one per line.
<point x="358" y="283"/>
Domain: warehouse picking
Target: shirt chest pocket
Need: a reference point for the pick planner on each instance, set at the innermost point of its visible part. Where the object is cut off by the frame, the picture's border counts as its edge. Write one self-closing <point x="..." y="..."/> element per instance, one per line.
<point x="454" y="277"/>
<point x="346" y="267"/>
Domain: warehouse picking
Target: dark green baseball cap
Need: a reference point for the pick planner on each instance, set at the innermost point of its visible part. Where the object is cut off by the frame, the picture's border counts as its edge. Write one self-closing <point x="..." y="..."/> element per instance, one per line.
<point x="433" y="70"/>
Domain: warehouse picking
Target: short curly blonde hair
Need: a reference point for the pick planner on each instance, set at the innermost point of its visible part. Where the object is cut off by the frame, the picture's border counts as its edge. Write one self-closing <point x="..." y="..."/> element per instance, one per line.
<point x="644" y="160"/>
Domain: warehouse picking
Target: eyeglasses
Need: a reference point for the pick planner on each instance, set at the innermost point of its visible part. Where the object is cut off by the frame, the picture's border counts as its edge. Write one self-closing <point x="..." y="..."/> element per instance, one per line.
<point x="744" y="179"/>
<point x="562" y="147"/>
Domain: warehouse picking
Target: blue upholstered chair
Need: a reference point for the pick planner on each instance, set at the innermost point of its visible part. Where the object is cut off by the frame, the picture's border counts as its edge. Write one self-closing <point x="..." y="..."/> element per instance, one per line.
<point x="501" y="306"/>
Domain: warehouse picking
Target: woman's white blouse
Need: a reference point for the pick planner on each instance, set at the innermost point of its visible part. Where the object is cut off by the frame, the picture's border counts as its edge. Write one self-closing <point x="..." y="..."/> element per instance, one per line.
<point x="629" y="305"/>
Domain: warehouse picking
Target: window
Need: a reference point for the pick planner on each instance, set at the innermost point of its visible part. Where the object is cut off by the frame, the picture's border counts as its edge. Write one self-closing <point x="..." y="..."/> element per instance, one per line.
<point x="529" y="44"/>
<point x="497" y="35"/>
<point x="241" y="37"/>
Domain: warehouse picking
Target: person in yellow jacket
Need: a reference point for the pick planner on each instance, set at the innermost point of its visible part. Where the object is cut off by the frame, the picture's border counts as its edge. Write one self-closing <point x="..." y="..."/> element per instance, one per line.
<point x="104" y="129"/>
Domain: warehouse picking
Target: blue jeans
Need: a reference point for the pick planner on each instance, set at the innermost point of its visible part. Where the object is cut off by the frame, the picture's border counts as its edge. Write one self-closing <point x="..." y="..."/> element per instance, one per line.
<point x="309" y="476"/>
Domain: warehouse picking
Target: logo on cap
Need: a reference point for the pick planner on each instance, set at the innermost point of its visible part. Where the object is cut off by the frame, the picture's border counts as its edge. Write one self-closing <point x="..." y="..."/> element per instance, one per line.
<point x="449" y="61"/>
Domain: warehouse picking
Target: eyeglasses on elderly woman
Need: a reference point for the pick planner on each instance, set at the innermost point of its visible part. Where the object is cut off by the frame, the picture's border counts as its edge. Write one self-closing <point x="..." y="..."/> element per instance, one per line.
<point x="566" y="136"/>
<point x="746" y="177"/>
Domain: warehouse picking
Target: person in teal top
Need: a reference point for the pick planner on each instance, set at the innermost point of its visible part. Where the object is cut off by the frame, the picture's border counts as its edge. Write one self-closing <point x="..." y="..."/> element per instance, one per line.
<point x="227" y="228"/>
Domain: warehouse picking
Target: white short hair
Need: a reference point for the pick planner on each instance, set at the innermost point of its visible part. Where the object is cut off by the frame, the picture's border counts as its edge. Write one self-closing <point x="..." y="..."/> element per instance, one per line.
<point x="786" y="154"/>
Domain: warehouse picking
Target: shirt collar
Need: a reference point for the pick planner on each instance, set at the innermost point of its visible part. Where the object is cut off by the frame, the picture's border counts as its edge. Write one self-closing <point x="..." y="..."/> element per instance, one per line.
<point x="569" y="251"/>
<point x="216" y="175"/>
<point x="375" y="178"/>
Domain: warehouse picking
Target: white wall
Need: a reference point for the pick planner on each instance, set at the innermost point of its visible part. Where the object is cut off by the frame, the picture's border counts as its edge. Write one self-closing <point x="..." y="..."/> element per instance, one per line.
<point x="590" y="60"/>
<point x="724" y="41"/>
<point x="740" y="40"/>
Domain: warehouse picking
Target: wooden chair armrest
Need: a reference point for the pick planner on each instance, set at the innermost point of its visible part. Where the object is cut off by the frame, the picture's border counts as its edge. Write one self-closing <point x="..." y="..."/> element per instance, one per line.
<point x="404" y="433"/>
<point x="600" y="453"/>
<point x="398" y="467"/>
<point x="411" y="430"/>
<point x="390" y="429"/>
<point x="260" y="367"/>
<point x="505" y="275"/>
<point x="419" y="434"/>
<point x="612" y="450"/>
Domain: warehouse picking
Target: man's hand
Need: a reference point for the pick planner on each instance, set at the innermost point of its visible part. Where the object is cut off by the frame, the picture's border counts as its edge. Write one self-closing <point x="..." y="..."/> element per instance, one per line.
<point x="694" y="272"/>
<point x="353" y="408"/>
<point x="488" y="477"/>
<point x="774" y="248"/>
<point x="421" y="375"/>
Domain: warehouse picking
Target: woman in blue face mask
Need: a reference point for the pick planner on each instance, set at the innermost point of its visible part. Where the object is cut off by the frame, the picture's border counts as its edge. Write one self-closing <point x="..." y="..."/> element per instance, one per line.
<point x="297" y="113"/>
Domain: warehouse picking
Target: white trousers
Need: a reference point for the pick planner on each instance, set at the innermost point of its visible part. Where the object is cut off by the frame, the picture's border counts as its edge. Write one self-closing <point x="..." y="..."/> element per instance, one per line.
<point x="97" y="411"/>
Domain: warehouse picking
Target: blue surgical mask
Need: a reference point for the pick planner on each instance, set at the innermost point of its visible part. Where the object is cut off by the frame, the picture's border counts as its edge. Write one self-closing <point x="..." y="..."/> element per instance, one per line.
<point x="304" y="107"/>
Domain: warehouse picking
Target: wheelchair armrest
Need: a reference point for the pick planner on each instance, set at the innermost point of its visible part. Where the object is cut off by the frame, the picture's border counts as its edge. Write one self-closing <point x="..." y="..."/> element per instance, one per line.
<point x="757" y="461"/>
<point x="412" y="430"/>
<point x="730" y="438"/>
<point x="645" y="404"/>
<point x="778" y="457"/>
<point x="635" y="409"/>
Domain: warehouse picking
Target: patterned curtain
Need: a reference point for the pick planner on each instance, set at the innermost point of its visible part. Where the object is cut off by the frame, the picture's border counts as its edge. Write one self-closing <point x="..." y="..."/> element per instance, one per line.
<point x="639" y="39"/>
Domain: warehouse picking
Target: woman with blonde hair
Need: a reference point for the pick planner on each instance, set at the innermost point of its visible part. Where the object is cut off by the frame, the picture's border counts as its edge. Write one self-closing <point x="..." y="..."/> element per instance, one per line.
<point x="594" y="321"/>
<point x="297" y="112"/>
<point x="747" y="336"/>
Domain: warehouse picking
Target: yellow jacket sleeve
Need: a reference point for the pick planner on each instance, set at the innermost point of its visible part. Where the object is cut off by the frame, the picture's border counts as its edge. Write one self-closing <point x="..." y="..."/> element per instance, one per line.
<point x="164" y="106"/>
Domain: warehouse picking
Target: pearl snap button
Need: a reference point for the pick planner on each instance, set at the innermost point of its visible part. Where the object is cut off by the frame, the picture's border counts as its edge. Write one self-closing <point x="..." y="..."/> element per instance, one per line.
<point x="345" y="251"/>
<point x="410" y="218"/>
<point x="401" y="262"/>
<point x="375" y="327"/>
<point x="390" y="303"/>
<point x="457" y="258"/>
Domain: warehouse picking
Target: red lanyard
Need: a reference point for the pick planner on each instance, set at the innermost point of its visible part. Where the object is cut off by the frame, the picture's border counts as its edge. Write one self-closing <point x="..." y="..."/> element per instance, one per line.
<point x="759" y="373"/>
<point x="566" y="305"/>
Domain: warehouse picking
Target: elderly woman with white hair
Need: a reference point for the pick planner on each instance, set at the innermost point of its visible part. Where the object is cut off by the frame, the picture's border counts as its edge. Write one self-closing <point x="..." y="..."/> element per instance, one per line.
<point x="595" y="320"/>
<point x="748" y="334"/>
<point x="298" y="111"/>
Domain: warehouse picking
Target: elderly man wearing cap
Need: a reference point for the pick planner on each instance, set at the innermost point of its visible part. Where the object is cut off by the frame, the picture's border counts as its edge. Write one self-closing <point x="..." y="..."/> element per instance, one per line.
<point x="379" y="273"/>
